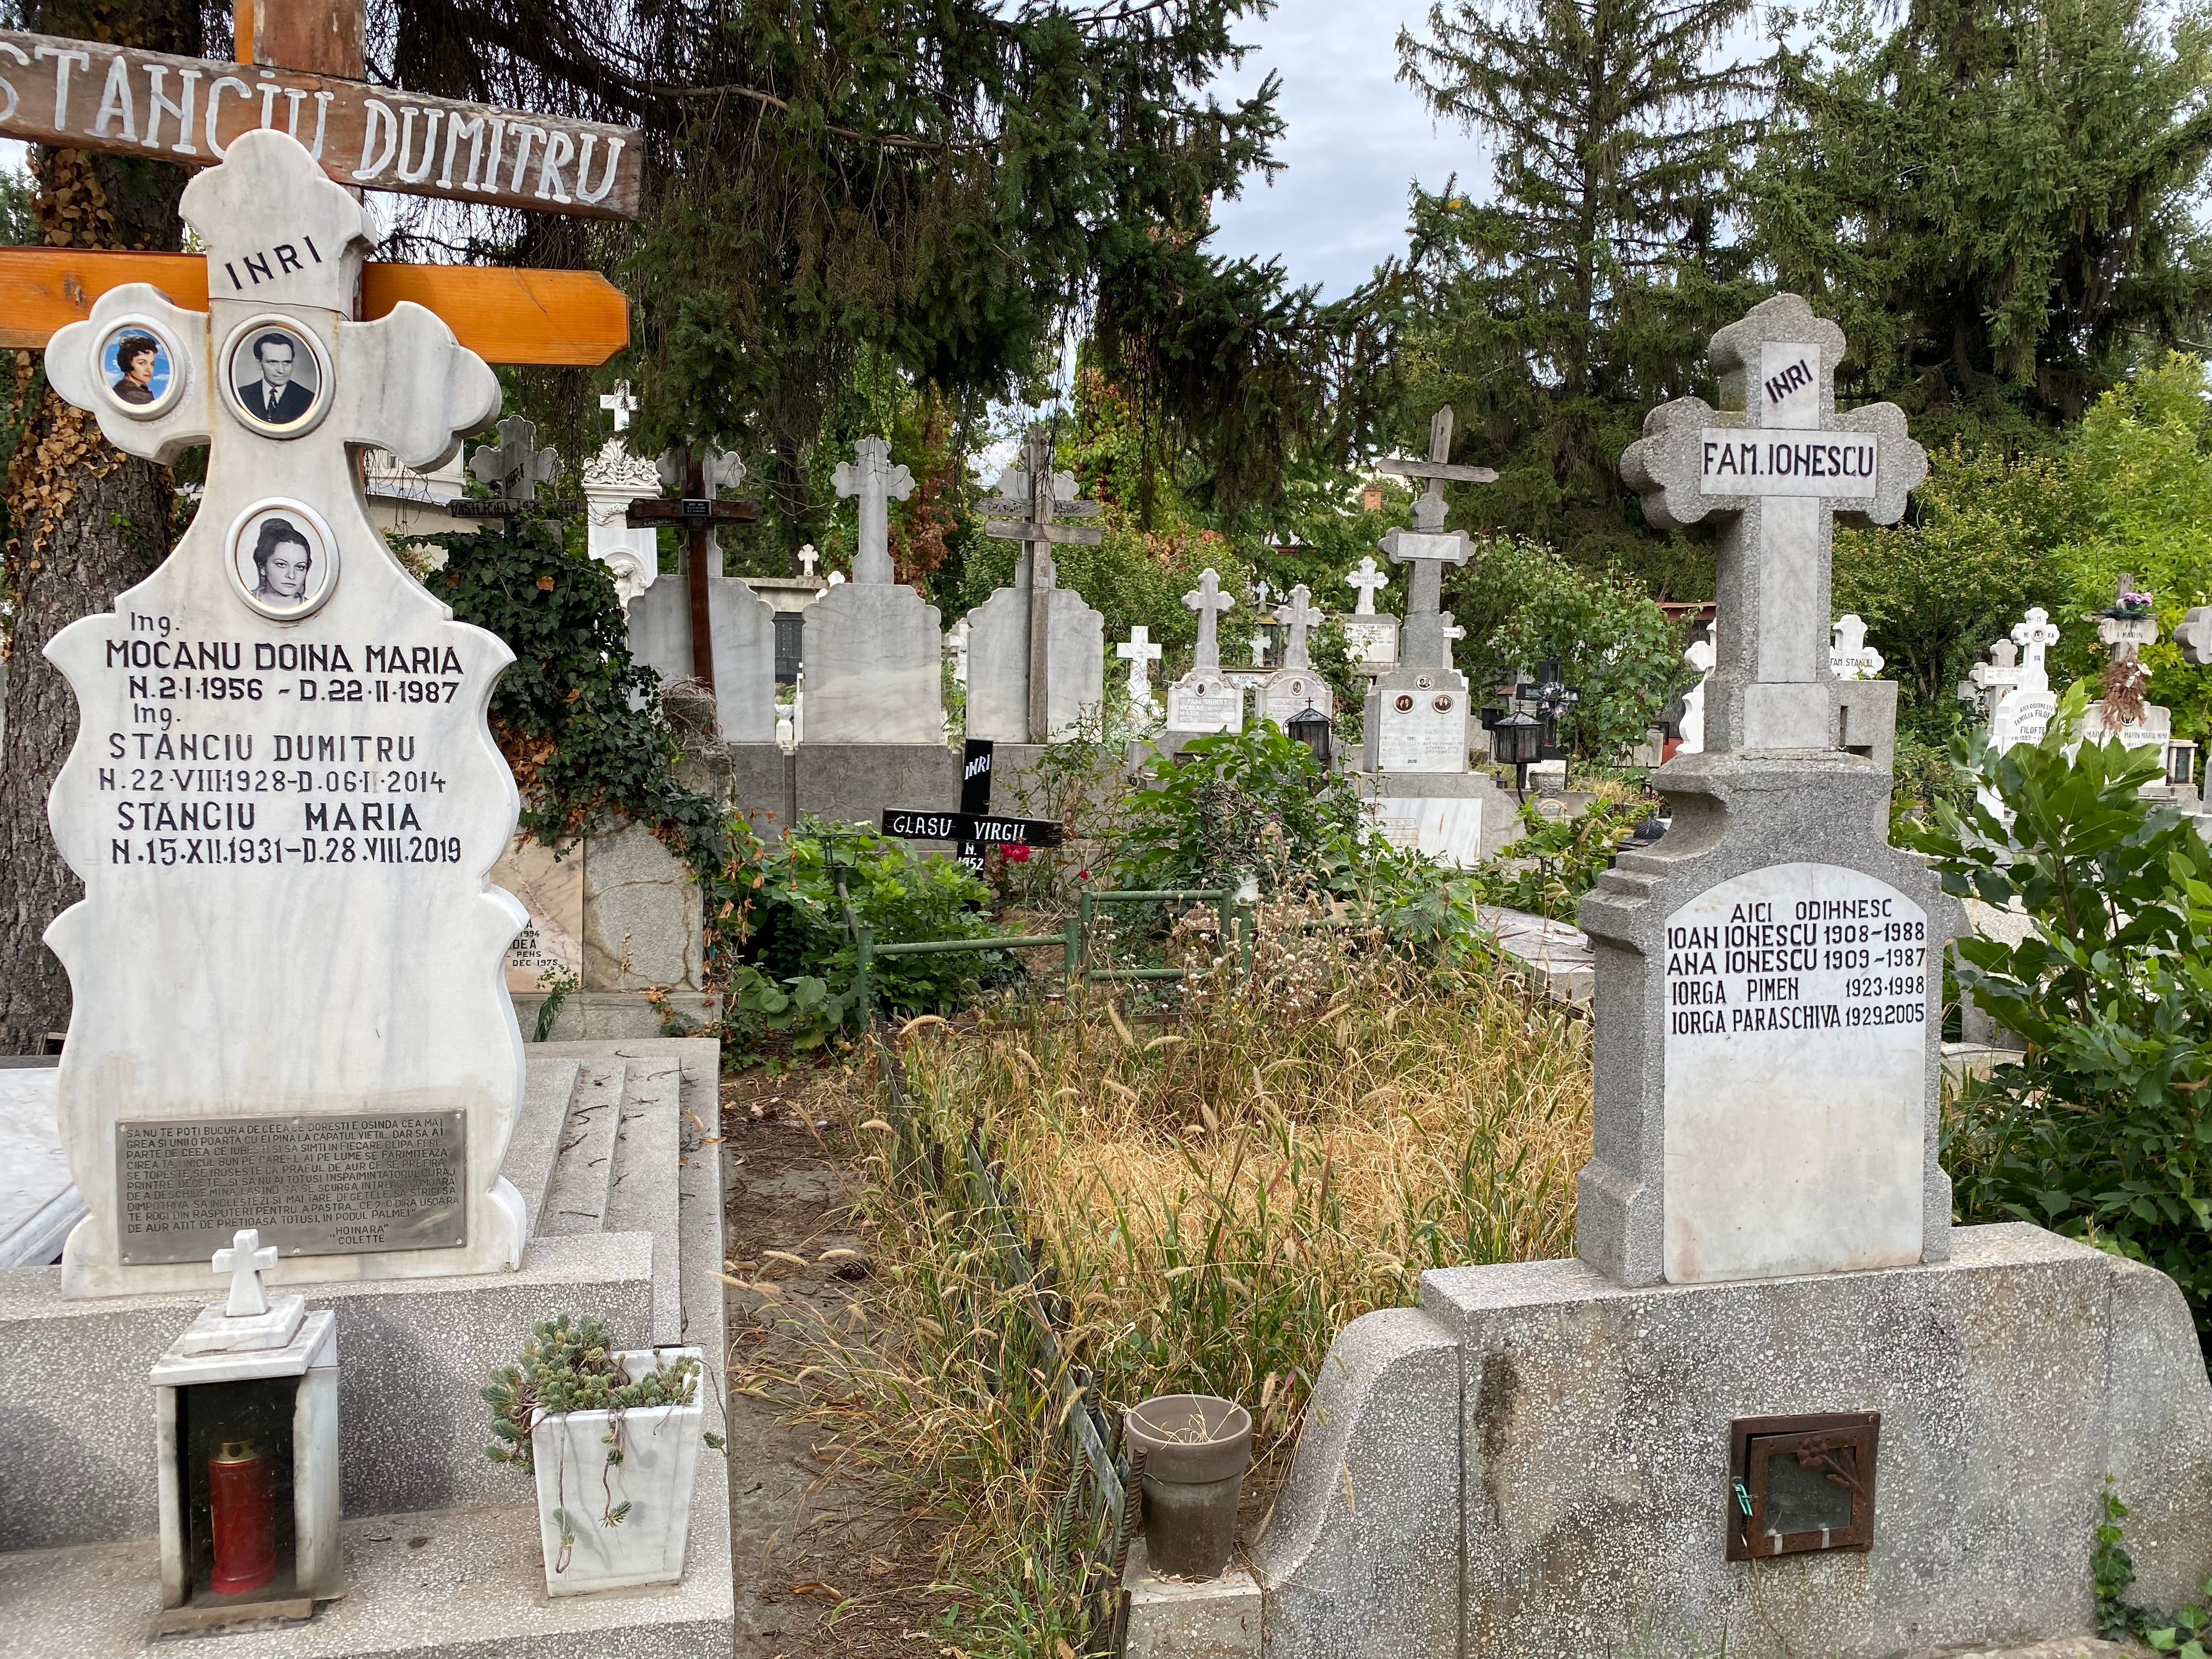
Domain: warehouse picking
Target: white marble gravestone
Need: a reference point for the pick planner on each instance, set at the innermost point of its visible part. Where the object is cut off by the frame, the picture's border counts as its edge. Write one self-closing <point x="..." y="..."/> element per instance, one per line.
<point x="284" y="797"/>
<point x="1140" y="651"/>
<point x="1204" y="700"/>
<point x="1294" y="687"/>
<point x="1371" y="635"/>
<point x="1769" y="986"/>
<point x="614" y="478"/>
<point x="874" y="648"/>
<point x="2022" y="710"/>
<point x="1699" y="656"/>
<point x="1849" y="657"/>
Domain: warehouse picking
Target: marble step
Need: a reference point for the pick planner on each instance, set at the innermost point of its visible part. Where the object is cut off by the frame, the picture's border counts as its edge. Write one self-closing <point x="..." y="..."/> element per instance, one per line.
<point x="644" y="1198"/>
<point x="584" y="1174"/>
<point x="548" y="1089"/>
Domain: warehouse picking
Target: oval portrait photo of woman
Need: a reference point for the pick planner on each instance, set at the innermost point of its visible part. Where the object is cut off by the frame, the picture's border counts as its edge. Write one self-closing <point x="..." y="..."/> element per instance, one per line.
<point x="138" y="368"/>
<point x="283" y="559"/>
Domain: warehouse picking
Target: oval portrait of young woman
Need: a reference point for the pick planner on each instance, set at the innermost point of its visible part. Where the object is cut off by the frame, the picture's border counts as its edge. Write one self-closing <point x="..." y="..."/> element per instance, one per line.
<point x="283" y="559"/>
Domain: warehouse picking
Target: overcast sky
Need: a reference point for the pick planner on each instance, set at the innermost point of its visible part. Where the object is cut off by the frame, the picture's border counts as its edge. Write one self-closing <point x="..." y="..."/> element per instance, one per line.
<point x="1357" y="139"/>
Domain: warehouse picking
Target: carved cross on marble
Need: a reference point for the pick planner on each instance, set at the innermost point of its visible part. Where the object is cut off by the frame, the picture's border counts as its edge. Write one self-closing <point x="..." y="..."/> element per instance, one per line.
<point x="1777" y="472"/>
<point x="1988" y="681"/>
<point x="1428" y="546"/>
<point x="1301" y="614"/>
<point x="808" y="558"/>
<point x="515" y="466"/>
<point x="873" y="478"/>
<point x="1849" y="657"/>
<point x="620" y="402"/>
<point x="1140" y="651"/>
<point x="245" y="1260"/>
<point x="1368" y="577"/>
<point x="2034" y="635"/>
<point x="1210" y="602"/>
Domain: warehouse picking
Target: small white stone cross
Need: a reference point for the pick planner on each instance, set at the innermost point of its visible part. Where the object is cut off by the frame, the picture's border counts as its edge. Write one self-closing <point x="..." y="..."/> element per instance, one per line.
<point x="515" y="466"/>
<point x="620" y="404"/>
<point x="871" y="478"/>
<point x="1849" y="657"/>
<point x="245" y="1260"/>
<point x="2034" y="636"/>
<point x="1991" y="680"/>
<point x="1301" y="615"/>
<point x="1210" y="602"/>
<point x="808" y="558"/>
<point x="1367" y="576"/>
<point x="1776" y="472"/>
<point x="1260" y="592"/>
<point x="1140" y="653"/>
<point x="1452" y="633"/>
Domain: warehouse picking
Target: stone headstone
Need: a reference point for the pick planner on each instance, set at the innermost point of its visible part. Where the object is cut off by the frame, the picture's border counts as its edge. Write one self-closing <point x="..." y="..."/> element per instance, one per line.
<point x="741" y="633"/>
<point x="1699" y="656"/>
<point x="1140" y="651"/>
<point x="1294" y="687"/>
<point x="550" y="946"/>
<point x="1038" y="656"/>
<point x="1203" y="700"/>
<point x="956" y="645"/>
<point x="1769" y="989"/>
<point x="2023" y="706"/>
<point x="1849" y="657"/>
<point x="874" y="648"/>
<point x="515" y="466"/>
<point x="284" y="796"/>
<point x="614" y="478"/>
<point x="1371" y="635"/>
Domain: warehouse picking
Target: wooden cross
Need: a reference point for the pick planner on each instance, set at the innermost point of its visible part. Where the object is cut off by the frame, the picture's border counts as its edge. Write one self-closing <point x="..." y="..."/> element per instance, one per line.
<point x="1367" y="577"/>
<point x="620" y="404"/>
<point x="1140" y="653"/>
<point x="871" y="478"/>
<point x="1428" y="547"/>
<point x="1849" y="657"/>
<point x="1778" y="473"/>
<point x="1210" y="602"/>
<point x="1300" y="615"/>
<point x="303" y="77"/>
<point x="245" y="1260"/>
<point x="704" y="469"/>
<point x="1031" y="502"/>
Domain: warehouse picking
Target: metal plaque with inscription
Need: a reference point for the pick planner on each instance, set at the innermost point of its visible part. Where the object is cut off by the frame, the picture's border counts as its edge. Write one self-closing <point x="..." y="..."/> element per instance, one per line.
<point x="313" y="1185"/>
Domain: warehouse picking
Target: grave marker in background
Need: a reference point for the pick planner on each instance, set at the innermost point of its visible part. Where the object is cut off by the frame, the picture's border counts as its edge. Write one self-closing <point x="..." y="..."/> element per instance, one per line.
<point x="874" y="648"/>
<point x="1204" y="700"/>
<point x="1766" y="1091"/>
<point x="1037" y="653"/>
<point x="1294" y="687"/>
<point x="1372" y="635"/>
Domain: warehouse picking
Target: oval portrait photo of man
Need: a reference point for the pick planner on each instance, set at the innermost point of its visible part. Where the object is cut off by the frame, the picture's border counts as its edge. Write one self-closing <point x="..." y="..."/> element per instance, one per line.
<point x="283" y="559"/>
<point x="139" y="368"/>
<point x="277" y="377"/>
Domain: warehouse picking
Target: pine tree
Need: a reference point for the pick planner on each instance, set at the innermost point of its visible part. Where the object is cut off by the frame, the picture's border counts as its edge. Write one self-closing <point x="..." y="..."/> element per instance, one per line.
<point x="1997" y="199"/>
<point x="1553" y="317"/>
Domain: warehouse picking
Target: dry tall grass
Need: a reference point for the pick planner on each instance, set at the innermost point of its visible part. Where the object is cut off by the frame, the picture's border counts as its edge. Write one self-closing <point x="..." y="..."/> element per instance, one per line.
<point x="1217" y="1197"/>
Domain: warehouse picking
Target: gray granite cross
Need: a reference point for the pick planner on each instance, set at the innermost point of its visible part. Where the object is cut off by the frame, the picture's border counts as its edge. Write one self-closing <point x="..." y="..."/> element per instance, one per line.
<point x="515" y="466"/>
<point x="1300" y="615"/>
<point x="1428" y="546"/>
<point x="1210" y="602"/>
<point x="871" y="478"/>
<point x="1031" y="502"/>
<point x="1778" y="472"/>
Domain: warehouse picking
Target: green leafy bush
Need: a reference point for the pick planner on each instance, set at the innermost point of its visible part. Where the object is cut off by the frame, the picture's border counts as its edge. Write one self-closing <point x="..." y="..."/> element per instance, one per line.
<point x="2100" y="1133"/>
<point x="791" y="924"/>
<point x="1557" y="860"/>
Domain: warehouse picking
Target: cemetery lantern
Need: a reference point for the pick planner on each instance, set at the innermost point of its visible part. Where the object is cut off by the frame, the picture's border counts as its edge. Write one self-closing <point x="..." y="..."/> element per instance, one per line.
<point x="1311" y="727"/>
<point x="1549" y="697"/>
<point x="1515" y="741"/>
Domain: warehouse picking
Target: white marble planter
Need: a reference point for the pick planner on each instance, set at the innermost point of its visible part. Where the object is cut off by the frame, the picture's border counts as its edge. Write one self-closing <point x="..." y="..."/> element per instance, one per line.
<point x="660" y="1460"/>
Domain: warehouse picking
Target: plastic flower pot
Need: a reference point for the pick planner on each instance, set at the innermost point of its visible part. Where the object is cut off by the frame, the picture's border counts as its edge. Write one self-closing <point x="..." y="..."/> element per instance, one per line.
<point x="1196" y="1450"/>
<point x="606" y="1526"/>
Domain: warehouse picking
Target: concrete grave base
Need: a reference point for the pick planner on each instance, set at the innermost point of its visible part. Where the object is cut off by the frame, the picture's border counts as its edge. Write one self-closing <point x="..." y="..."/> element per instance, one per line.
<point x="624" y="1201"/>
<point x="1433" y="803"/>
<point x="1534" y="1462"/>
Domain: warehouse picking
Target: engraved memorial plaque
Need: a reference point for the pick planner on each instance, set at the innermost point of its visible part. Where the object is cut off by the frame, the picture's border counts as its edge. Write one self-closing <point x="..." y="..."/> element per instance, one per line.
<point x="1796" y="1036"/>
<point x="1424" y="728"/>
<point x="313" y="1185"/>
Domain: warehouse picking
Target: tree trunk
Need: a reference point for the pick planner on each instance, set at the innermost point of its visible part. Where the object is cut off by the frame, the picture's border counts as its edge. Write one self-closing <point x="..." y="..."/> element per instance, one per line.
<point x="85" y="521"/>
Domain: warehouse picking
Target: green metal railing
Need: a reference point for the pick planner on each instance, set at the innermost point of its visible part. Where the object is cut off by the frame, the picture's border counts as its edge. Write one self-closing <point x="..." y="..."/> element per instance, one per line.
<point x="1235" y="920"/>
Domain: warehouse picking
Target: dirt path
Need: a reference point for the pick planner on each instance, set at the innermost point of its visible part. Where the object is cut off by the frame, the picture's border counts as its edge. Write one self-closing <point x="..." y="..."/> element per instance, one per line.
<point x="809" y="1539"/>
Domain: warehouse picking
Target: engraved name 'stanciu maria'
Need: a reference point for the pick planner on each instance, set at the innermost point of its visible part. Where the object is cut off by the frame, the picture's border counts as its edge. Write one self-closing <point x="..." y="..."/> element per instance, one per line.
<point x="1804" y="965"/>
<point x="231" y="755"/>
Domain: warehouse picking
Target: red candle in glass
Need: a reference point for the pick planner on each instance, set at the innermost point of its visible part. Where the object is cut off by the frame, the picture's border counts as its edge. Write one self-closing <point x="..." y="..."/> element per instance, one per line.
<point x="242" y="1505"/>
